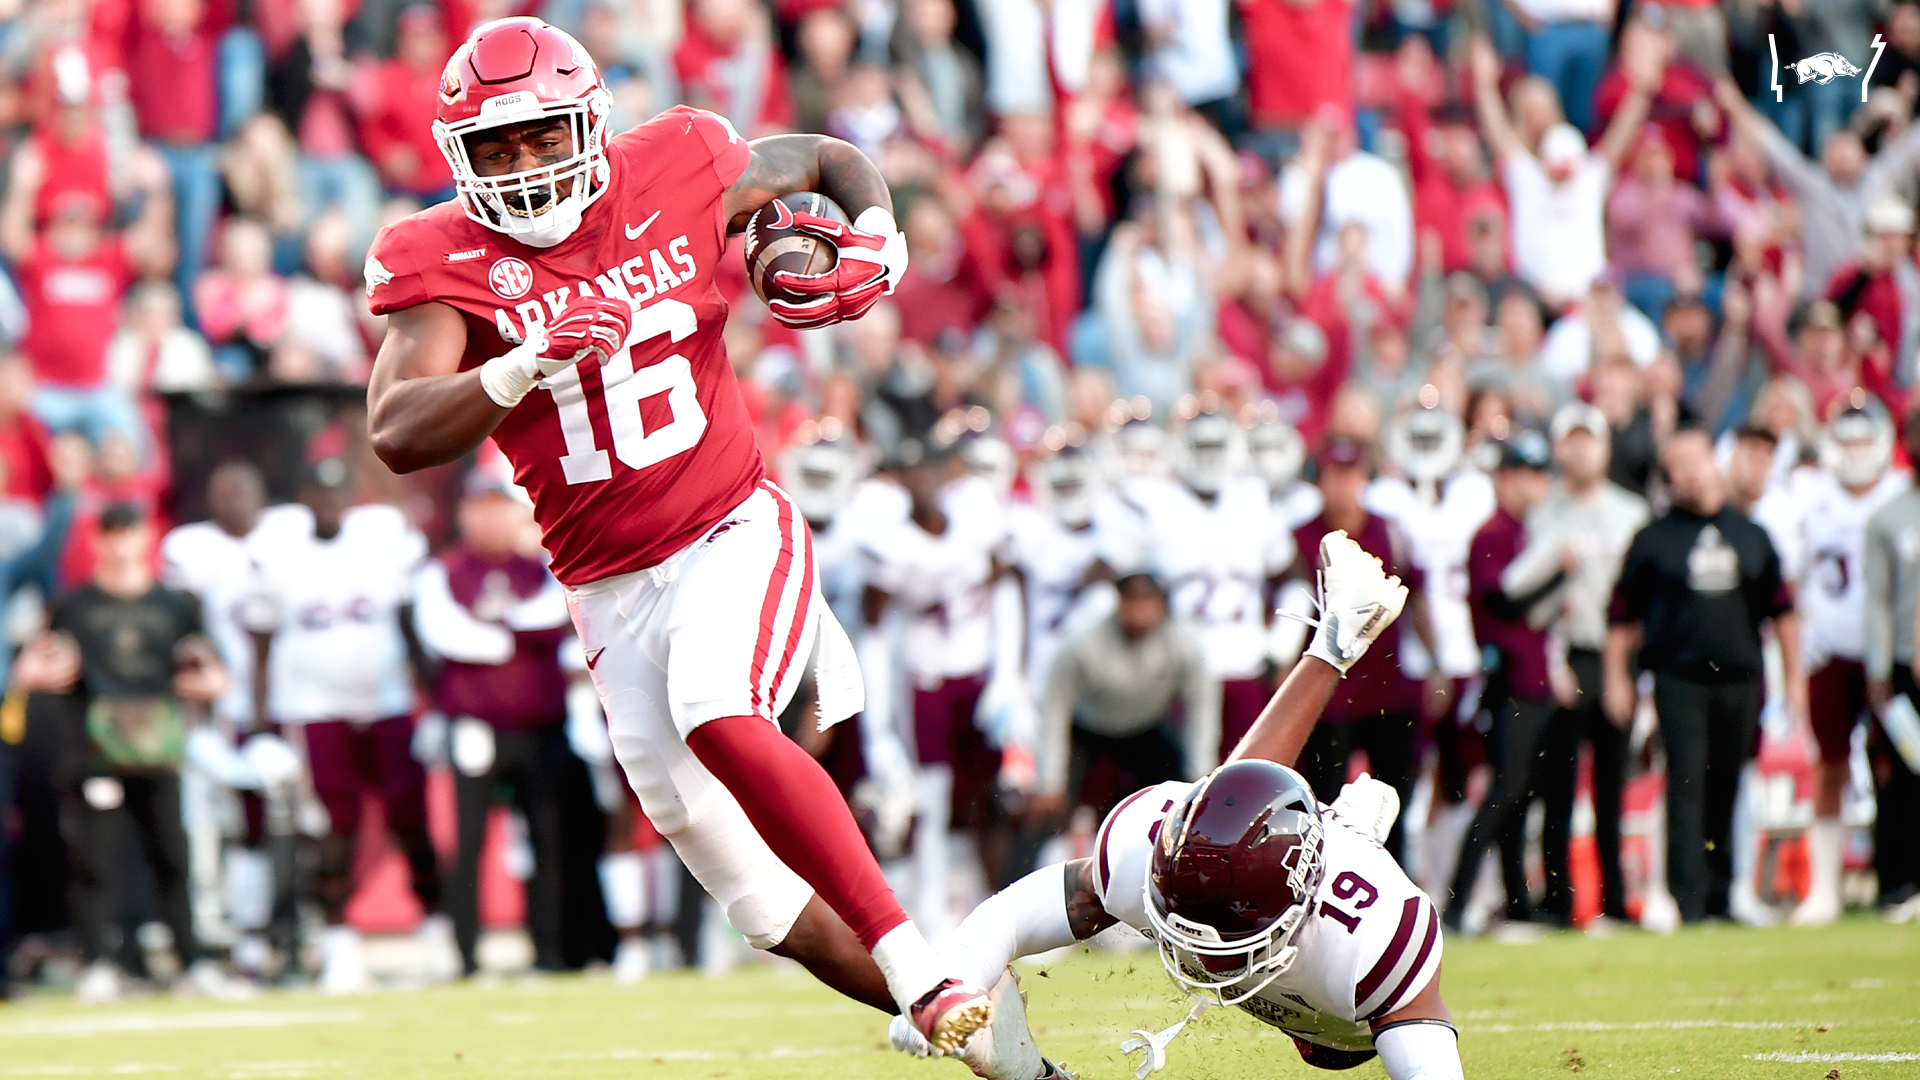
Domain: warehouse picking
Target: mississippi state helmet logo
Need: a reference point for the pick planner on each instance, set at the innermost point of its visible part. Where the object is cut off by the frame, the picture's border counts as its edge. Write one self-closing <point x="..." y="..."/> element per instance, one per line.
<point x="511" y="278"/>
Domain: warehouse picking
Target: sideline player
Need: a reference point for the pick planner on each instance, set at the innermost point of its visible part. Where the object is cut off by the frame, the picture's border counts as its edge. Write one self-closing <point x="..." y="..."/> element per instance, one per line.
<point x="1856" y="478"/>
<point x="564" y="303"/>
<point x="1255" y="893"/>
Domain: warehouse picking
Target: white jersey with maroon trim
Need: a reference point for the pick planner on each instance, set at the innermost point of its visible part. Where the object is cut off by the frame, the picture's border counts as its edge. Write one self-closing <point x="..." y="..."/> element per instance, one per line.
<point x="1216" y="557"/>
<point x="1832" y="596"/>
<point x="333" y="608"/>
<point x="943" y="584"/>
<point x="1371" y="945"/>
<point x="1439" y="535"/>
<point x="1053" y="561"/>
<point x="872" y="506"/>
<point x="216" y="566"/>
<point x="630" y="461"/>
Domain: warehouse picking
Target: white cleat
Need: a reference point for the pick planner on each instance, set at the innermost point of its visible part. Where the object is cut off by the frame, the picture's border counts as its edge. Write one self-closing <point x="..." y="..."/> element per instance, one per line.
<point x="1747" y="909"/>
<point x="207" y="979"/>
<point x="1003" y="1050"/>
<point x="439" y="952"/>
<point x="1906" y="911"/>
<point x="1658" y="913"/>
<point x="631" y="960"/>
<point x="343" y="966"/>
<point x="1820" y="908"/>
<point x="100" y="984"/>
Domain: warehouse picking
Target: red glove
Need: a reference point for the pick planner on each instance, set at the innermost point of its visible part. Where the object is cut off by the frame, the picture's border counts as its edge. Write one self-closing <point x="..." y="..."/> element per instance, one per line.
<point x="872" y="260"/>
<point x="590" y="325"/>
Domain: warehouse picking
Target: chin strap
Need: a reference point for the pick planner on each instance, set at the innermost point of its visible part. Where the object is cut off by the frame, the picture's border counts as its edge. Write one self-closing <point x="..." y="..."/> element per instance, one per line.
<point x="1155" y="1043"/>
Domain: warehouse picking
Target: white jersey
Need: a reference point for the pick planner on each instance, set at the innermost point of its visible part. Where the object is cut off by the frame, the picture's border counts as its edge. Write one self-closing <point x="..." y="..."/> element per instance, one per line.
<point x="215" y="566"/>
<point x="1300" y="503"/>
<point x="333" y="608"/>
<point x="1832" y="597"/>
<point x="1371" y="945"/>
<point x="1216" y="558"/>
<point x="943" y="584"/>
<point x="1439" y="535"/>
<point x="1053" y="561"/>
<point x="872" y="506"/>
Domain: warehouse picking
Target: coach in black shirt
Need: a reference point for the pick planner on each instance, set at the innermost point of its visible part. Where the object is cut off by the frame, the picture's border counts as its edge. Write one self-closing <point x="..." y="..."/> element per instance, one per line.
<point x="1693" y="592"/>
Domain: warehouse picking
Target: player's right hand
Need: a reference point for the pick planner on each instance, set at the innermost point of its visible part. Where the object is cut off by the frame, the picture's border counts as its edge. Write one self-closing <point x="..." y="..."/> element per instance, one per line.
<point x="590" y="326"/>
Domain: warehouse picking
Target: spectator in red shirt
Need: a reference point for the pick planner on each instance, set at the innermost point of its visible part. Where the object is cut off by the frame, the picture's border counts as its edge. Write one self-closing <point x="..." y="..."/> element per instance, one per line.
<point x="25" y="444"/>
<point x="944" y="291"/>
<point x="189" y="79"/>
<point x="398" y="107"/>
<point x="1450" y="177"/>
<point x="1683" y="106"/>
<point x="728" y="63"/>
<point x="1883" y="284"/>
<point x="1300" y="56"/>
<point x="72" y="279"/>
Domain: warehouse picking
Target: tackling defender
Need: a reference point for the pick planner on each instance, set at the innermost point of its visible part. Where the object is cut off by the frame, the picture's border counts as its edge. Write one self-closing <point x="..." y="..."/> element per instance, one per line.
<point x="564" y="304"/>
<point x="1255" y="894"/>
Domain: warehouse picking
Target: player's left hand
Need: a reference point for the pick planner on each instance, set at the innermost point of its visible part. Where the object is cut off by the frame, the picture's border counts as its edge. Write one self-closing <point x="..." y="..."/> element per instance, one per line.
<point x="872" y="260"/>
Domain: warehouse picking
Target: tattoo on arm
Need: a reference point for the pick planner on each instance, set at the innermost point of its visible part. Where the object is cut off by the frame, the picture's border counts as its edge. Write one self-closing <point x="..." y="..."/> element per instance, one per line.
<point x="783" y="164"/>
<point x="1085" y="915"/>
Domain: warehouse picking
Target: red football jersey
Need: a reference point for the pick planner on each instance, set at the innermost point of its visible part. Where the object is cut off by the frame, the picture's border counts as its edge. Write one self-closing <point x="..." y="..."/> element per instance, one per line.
<point x="630" y="462"/>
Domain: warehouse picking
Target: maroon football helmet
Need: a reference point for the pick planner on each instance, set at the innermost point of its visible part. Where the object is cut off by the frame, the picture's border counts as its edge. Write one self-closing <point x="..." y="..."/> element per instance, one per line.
<point x="1233" y="877"/>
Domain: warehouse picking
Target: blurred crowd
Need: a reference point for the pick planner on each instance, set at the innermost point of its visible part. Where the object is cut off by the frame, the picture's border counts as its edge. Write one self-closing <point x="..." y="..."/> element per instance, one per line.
<point x="1595" y="321"/>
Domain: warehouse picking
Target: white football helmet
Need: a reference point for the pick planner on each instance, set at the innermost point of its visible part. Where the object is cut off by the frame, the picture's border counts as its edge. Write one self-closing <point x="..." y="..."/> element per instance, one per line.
<point x="991" y="458"/>
<point x="820" y="477"/>
<point x="1065" y="486"/>
<point x="1212" y="449"/>
<point x="1857" y="445"/>
<point x="1278" y="453"/>
<point x="1426" y="443"/>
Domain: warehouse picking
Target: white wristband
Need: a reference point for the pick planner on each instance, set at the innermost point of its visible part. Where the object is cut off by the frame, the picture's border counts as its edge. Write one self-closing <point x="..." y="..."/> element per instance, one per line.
<point x="511" y="376"/>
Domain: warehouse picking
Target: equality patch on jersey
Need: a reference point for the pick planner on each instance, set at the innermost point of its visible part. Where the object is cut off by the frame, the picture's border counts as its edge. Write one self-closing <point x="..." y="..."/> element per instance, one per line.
<point x="1418" y="921"/>
<point x="511" y="278"/>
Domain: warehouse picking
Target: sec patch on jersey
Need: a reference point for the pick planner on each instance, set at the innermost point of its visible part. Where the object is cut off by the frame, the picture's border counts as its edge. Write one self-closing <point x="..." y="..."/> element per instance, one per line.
<point x="773" y="244"/>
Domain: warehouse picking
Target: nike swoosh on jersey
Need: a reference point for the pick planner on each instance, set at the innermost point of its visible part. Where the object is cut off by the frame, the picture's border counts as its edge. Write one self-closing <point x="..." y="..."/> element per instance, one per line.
<point x="594" y="657"/>
<point x="634" y="234"/>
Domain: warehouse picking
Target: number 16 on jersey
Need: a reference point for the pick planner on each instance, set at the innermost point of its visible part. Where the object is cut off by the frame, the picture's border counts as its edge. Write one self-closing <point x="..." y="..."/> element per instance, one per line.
<point x="622" y="391"/>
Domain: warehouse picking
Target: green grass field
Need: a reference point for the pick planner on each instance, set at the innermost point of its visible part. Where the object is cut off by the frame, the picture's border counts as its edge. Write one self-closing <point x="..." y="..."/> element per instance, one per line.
<point x="1718" y="1002"/>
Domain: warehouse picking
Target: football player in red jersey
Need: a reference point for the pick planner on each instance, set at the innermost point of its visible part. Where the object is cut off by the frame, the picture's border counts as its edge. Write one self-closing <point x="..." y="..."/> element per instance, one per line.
<point x="564" y="304"/>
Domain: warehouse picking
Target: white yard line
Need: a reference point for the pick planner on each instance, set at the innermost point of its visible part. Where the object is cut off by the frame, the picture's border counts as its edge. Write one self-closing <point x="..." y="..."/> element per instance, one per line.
<point x="1812" y="1059"/>
<point x="111" y="1023"/>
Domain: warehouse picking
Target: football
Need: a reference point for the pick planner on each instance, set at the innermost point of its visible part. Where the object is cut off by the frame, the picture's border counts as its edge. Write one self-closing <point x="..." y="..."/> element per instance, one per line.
<point x="773" y="244"/>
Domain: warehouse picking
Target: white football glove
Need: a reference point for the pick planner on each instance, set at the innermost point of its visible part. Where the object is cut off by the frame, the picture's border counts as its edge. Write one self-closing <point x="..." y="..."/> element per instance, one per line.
<point x="273" y="760"/>
<point x="1370" y="806"/>
<point x="1358" y="601"/>
<point x="429" y="744"/>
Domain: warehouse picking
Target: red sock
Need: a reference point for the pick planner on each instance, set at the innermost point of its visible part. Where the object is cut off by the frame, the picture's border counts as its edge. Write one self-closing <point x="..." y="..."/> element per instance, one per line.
<point x="802" y="817"/>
